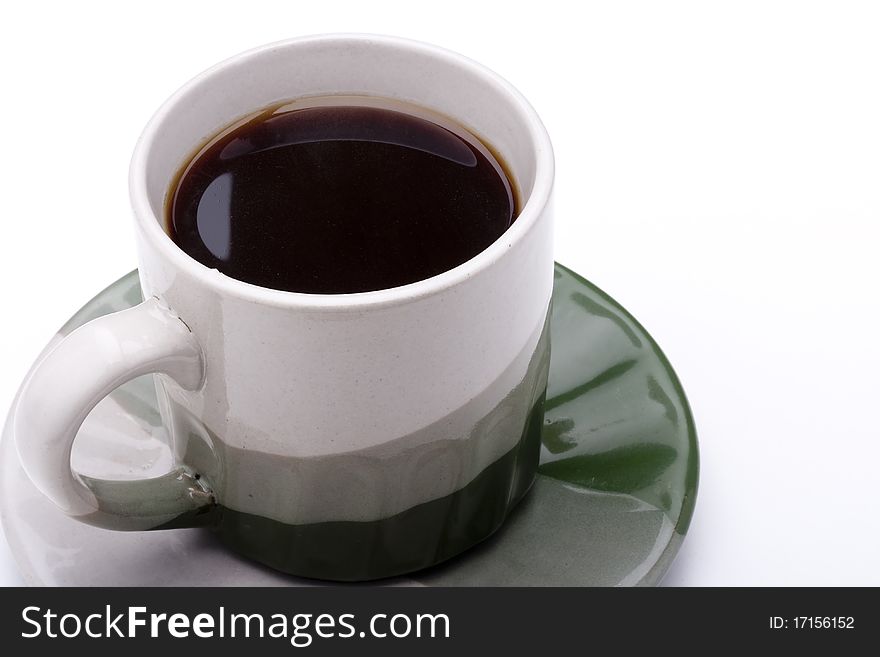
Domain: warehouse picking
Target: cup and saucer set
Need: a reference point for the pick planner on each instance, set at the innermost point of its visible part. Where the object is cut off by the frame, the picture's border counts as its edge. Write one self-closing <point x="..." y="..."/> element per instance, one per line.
<point x="501" y="423"/>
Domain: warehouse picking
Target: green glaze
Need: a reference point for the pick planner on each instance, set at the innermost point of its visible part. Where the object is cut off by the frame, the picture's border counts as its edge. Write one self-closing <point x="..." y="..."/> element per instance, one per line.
<point x="619" y="461"/>
<point x="611" y="504"/>
<point x="421" y="536"/>
<point x="617" y="419"/>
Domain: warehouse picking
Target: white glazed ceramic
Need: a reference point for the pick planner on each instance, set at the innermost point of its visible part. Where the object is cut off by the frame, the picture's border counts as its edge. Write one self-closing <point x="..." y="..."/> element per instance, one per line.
<point x="291" y="410"/>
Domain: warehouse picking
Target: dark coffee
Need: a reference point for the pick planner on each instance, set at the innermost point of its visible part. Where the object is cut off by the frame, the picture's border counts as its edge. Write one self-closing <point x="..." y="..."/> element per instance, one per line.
<point x="340" y="195"/>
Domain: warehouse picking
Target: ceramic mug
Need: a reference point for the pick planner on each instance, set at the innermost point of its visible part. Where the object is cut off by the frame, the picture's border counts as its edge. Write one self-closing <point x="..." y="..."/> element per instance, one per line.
<point x="346" y="436"/>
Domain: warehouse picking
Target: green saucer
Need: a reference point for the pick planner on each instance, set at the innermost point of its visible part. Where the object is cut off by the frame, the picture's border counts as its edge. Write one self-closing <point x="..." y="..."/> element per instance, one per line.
<point x="611" y="505"/>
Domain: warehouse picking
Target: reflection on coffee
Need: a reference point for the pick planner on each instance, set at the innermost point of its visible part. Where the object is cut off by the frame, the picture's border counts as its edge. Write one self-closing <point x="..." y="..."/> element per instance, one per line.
<point x="338" y="195"/>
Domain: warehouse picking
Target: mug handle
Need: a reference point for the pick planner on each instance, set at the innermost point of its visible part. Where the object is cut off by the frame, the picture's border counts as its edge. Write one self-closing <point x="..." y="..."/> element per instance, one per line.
<point x="68" y="383"/>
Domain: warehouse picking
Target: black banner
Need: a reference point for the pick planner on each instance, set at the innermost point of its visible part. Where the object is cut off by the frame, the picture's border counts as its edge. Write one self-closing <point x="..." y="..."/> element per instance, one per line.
<point x="339" y="620"/>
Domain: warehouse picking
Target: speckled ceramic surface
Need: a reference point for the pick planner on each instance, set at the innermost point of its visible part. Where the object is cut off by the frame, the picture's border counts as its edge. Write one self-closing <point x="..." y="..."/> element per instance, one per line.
<point x="611" y="504"/>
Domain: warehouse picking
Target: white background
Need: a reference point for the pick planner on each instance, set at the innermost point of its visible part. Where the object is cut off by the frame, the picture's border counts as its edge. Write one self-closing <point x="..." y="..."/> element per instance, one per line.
<point x="718" y="174"/>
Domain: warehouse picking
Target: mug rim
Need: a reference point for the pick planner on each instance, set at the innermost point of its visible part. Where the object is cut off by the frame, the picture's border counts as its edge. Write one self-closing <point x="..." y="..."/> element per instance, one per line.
<point x="532" y="209"/>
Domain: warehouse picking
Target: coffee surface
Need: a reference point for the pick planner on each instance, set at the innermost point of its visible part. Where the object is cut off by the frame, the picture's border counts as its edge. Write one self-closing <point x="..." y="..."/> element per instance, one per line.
<point x="336" y="199"/>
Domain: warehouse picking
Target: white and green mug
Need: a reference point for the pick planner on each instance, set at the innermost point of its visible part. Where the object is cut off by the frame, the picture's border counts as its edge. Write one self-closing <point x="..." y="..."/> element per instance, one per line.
<point x="348" y="436"/>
